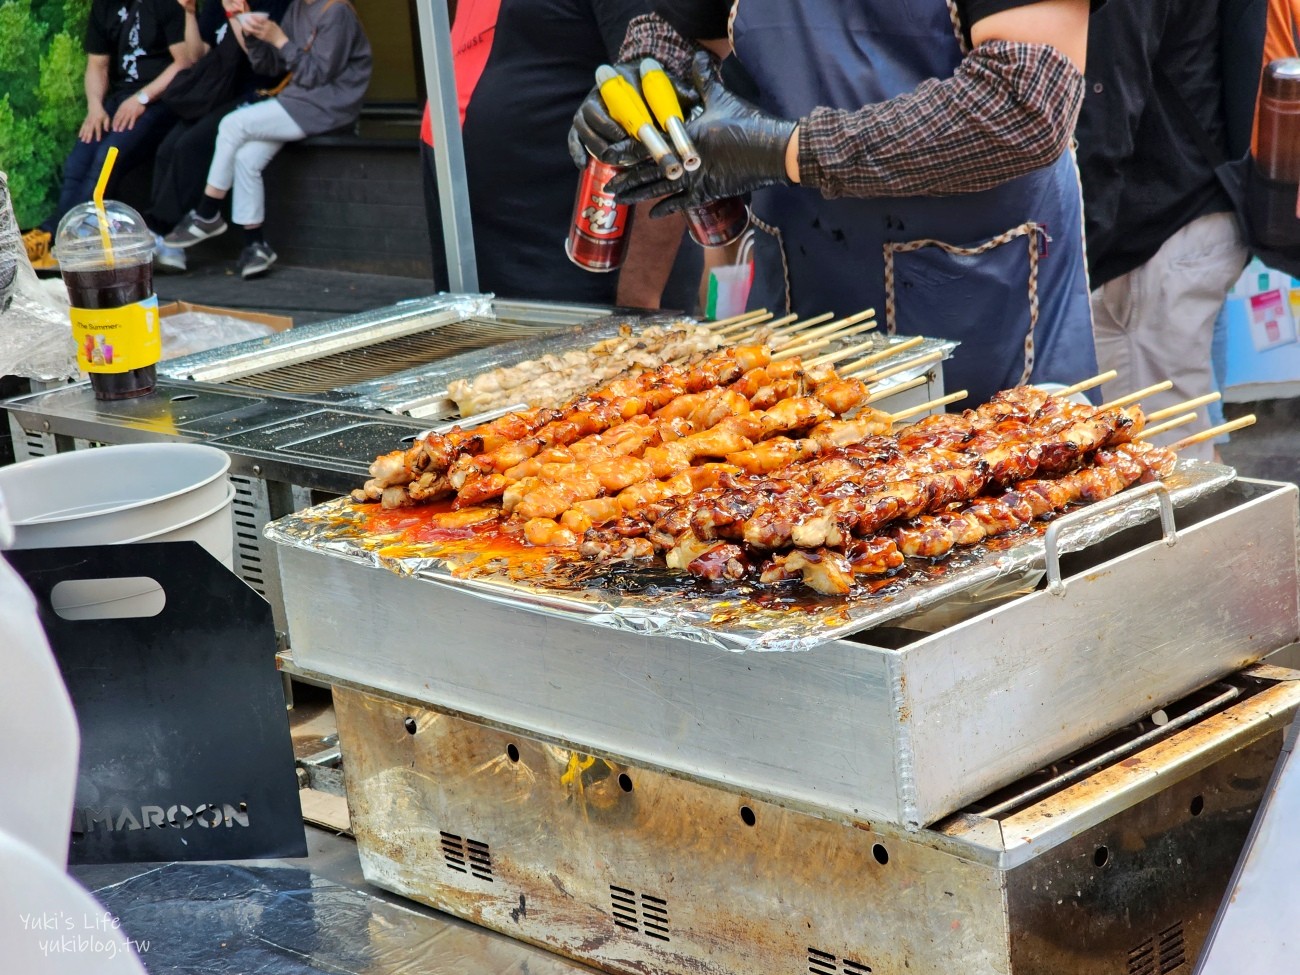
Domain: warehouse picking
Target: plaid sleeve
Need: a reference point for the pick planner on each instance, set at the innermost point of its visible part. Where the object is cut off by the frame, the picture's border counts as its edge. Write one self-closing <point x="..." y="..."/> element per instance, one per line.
<point x="650" y="36"/>
<point x="1009" y="109"/>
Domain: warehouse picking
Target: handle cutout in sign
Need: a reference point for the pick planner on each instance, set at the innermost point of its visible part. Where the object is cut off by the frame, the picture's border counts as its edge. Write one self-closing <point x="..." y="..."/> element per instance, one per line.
<point x="123" y="598"/>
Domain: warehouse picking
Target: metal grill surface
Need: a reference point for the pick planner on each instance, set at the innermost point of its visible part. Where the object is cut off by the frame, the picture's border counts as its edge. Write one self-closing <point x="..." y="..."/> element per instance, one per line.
<point x="368" y="362"/>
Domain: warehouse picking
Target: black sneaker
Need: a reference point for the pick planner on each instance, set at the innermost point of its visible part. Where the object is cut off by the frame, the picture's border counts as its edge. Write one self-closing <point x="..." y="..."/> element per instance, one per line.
<point x="255" y="259"/>
<point x="193" y="229"/>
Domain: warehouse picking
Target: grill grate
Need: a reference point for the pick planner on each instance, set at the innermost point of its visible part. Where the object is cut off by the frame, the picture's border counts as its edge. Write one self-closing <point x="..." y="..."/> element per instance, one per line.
<point x="651" y="919"/>
<point x="339" y="369"/>
<point x="467" y="856"/>
<point x="1161" y="954"/>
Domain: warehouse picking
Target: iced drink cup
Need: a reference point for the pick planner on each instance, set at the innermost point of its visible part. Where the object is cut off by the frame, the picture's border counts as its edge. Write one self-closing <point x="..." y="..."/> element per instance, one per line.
<point x="106" y="259"/>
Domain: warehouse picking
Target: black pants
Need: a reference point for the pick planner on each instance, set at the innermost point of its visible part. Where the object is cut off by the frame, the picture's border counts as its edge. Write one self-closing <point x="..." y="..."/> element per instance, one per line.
<point x="180" y="170"/>
<point x="135" y="147"/>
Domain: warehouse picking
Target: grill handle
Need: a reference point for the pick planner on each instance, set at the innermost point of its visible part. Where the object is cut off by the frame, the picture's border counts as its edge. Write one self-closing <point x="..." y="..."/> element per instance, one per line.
<point x="1051" y="539"/>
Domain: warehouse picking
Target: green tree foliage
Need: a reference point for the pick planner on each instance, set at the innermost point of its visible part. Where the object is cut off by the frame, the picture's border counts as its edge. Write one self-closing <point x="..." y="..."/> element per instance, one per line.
<point x="41" y="70"/>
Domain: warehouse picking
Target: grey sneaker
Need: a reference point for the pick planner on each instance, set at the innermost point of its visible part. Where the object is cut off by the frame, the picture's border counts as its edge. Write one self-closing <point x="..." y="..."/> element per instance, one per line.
<point x="166" y="256"/>
<point x="255" y="259"/>
<point x="194" y="229"/>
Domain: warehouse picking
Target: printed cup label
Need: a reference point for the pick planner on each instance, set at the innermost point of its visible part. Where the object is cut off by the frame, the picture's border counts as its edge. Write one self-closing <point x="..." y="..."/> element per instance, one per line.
<point x="117" y="339"/>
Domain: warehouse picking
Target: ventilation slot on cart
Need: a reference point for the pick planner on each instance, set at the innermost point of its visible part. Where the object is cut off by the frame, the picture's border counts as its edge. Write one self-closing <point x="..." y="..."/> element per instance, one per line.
<point x="32" y="444"/>
<point x="467" y="856"/>
<point x="480" y="860"/>
<point x="248" y="552"/>
<point x="1160" y="955"/>
<point x="650" y="919"/>
<point x="824" y="963"/>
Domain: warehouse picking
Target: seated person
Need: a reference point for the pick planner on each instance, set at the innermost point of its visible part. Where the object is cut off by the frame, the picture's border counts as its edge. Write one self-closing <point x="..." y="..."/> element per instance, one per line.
<point x="219" y="81"/>
<point x="133" y="49"/>
<point x="323" y="46"/>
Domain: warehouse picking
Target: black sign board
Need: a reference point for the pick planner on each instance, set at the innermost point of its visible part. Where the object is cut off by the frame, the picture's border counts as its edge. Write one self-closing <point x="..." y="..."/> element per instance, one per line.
<point x="185" y="747"/>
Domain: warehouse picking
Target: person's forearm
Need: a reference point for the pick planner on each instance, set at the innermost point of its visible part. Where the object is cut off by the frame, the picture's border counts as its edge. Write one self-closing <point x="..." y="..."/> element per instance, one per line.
<point x="159" y="84"/>
<point x="1009" y="109"/>
<point x="195" y="46"/>
<point x="650" y="36"/>
<point x="651" y="251"/>
<point x="96" y="83"/>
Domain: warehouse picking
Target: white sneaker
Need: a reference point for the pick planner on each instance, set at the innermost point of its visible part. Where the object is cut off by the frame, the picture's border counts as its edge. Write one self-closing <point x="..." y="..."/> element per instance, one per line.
<point x="166" y="256"/>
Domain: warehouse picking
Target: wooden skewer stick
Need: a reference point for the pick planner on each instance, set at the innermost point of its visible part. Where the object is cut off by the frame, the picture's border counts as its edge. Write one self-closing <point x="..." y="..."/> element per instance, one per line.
<point x="804" y="324"/>
<point x="883" y="354"/>
<point x="900" y="388"/>
<point x="933" y="404"/>
<point x="779" y="323"/>
<point x="839" y="329"/>
<point x="722" y="324"/>
<point x="843" y="334"/>
<point x="1238" y="424"/>
<point x="839" y="323"/>
<point x="789" y="352"/>
<point x="838" y="354"/>
<point x="1160" y="428"/>
<point x="1191" y="404"/>
<point x="749" y="321"/>
<point x="1079" y="387"/>
<point x="783" y="339"/>
<point x="879" y="375"/>
<point x="1135" y="396"/>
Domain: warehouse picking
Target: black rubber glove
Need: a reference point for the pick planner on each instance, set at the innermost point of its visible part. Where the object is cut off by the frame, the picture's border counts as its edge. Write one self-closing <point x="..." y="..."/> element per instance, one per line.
<point x="742" y="149"/>
<point x="595" y="133"/>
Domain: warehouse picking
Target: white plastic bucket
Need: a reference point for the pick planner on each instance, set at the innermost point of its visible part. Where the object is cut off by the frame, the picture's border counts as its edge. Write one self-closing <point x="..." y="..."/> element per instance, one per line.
<point x="113" y="494"/>
<point x="118" y="495"/>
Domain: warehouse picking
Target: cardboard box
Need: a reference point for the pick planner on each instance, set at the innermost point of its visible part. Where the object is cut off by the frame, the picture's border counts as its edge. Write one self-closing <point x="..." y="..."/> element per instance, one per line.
<point x="278" y="322"/>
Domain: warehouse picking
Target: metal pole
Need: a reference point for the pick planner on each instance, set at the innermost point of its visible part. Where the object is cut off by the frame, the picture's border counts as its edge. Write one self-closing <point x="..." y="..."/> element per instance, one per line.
<point x="448" y="150"/>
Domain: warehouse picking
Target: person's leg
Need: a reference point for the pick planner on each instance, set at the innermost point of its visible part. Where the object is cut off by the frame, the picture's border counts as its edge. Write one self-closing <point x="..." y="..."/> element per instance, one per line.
<point x="1157" y="322"/>
<point x="265" y="124"/>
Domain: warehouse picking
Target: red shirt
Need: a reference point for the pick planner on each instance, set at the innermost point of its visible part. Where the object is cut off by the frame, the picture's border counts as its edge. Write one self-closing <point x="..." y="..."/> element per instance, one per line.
<point x="471" y="42"/>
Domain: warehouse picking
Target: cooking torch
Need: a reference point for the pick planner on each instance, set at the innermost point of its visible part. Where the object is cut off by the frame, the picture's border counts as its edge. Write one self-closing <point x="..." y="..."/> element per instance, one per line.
<point x="661" y="96"/>
<point x="629" y="110"/>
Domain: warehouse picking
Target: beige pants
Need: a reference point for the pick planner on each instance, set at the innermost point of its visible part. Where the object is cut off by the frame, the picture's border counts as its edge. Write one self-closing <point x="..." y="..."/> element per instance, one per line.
<point x="1157" y="321"/>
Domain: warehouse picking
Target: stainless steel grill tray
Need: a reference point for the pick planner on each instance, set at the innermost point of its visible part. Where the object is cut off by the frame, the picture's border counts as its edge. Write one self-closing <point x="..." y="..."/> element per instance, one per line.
<point x="352" y="366"/>
<point x="655" y="601"/>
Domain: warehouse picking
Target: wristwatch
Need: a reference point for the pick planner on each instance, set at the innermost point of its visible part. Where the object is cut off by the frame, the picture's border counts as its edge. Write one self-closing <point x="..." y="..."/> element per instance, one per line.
<point x="142" y="97"/>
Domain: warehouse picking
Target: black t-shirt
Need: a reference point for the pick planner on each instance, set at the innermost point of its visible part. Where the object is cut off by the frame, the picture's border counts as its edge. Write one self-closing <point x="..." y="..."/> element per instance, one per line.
<point x="136" y="35"/>
<point x="521" y="180"/>
<point x="214" y="26"/>
<point x="1144" y="176"/>
<point x="707" y="19"/>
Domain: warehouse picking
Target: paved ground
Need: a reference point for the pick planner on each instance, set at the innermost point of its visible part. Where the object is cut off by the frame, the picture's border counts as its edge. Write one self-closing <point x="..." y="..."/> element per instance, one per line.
<point x="305" y="294"/>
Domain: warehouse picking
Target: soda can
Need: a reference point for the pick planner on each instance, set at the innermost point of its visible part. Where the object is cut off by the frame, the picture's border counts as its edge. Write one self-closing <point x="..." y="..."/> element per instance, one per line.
<point x="718" y="223"/>
<point x="598" y="232"/>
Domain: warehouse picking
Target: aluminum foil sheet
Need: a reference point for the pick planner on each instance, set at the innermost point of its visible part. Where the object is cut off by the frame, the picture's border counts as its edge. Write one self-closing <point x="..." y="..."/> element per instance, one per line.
<point x="641" y="598"/>
<point x="202" y="365"/>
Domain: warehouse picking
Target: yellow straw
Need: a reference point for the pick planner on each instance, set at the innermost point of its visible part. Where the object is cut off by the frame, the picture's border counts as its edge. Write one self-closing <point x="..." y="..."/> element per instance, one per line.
<point x="98" y="197"/>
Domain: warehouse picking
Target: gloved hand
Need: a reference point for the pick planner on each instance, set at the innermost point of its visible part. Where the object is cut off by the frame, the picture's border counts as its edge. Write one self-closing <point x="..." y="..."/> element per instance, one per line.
<point x="595" y="133"/>
<point x="742" y="149"/>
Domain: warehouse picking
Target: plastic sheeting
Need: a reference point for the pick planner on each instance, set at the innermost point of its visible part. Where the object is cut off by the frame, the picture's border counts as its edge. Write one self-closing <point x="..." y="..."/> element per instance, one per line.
<point x="228" y="919"/>
<point x="35" y="338"/>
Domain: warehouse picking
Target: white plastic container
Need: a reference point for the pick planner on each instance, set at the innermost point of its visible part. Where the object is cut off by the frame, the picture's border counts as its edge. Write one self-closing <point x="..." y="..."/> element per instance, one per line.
<point x="114" y="494"/>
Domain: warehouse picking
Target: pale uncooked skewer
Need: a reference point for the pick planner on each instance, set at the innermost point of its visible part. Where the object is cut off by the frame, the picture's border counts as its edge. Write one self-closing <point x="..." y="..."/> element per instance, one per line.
<point x="927" y="407"/>
<point x="803" y="324"/>
<point x="742" y="322"/>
